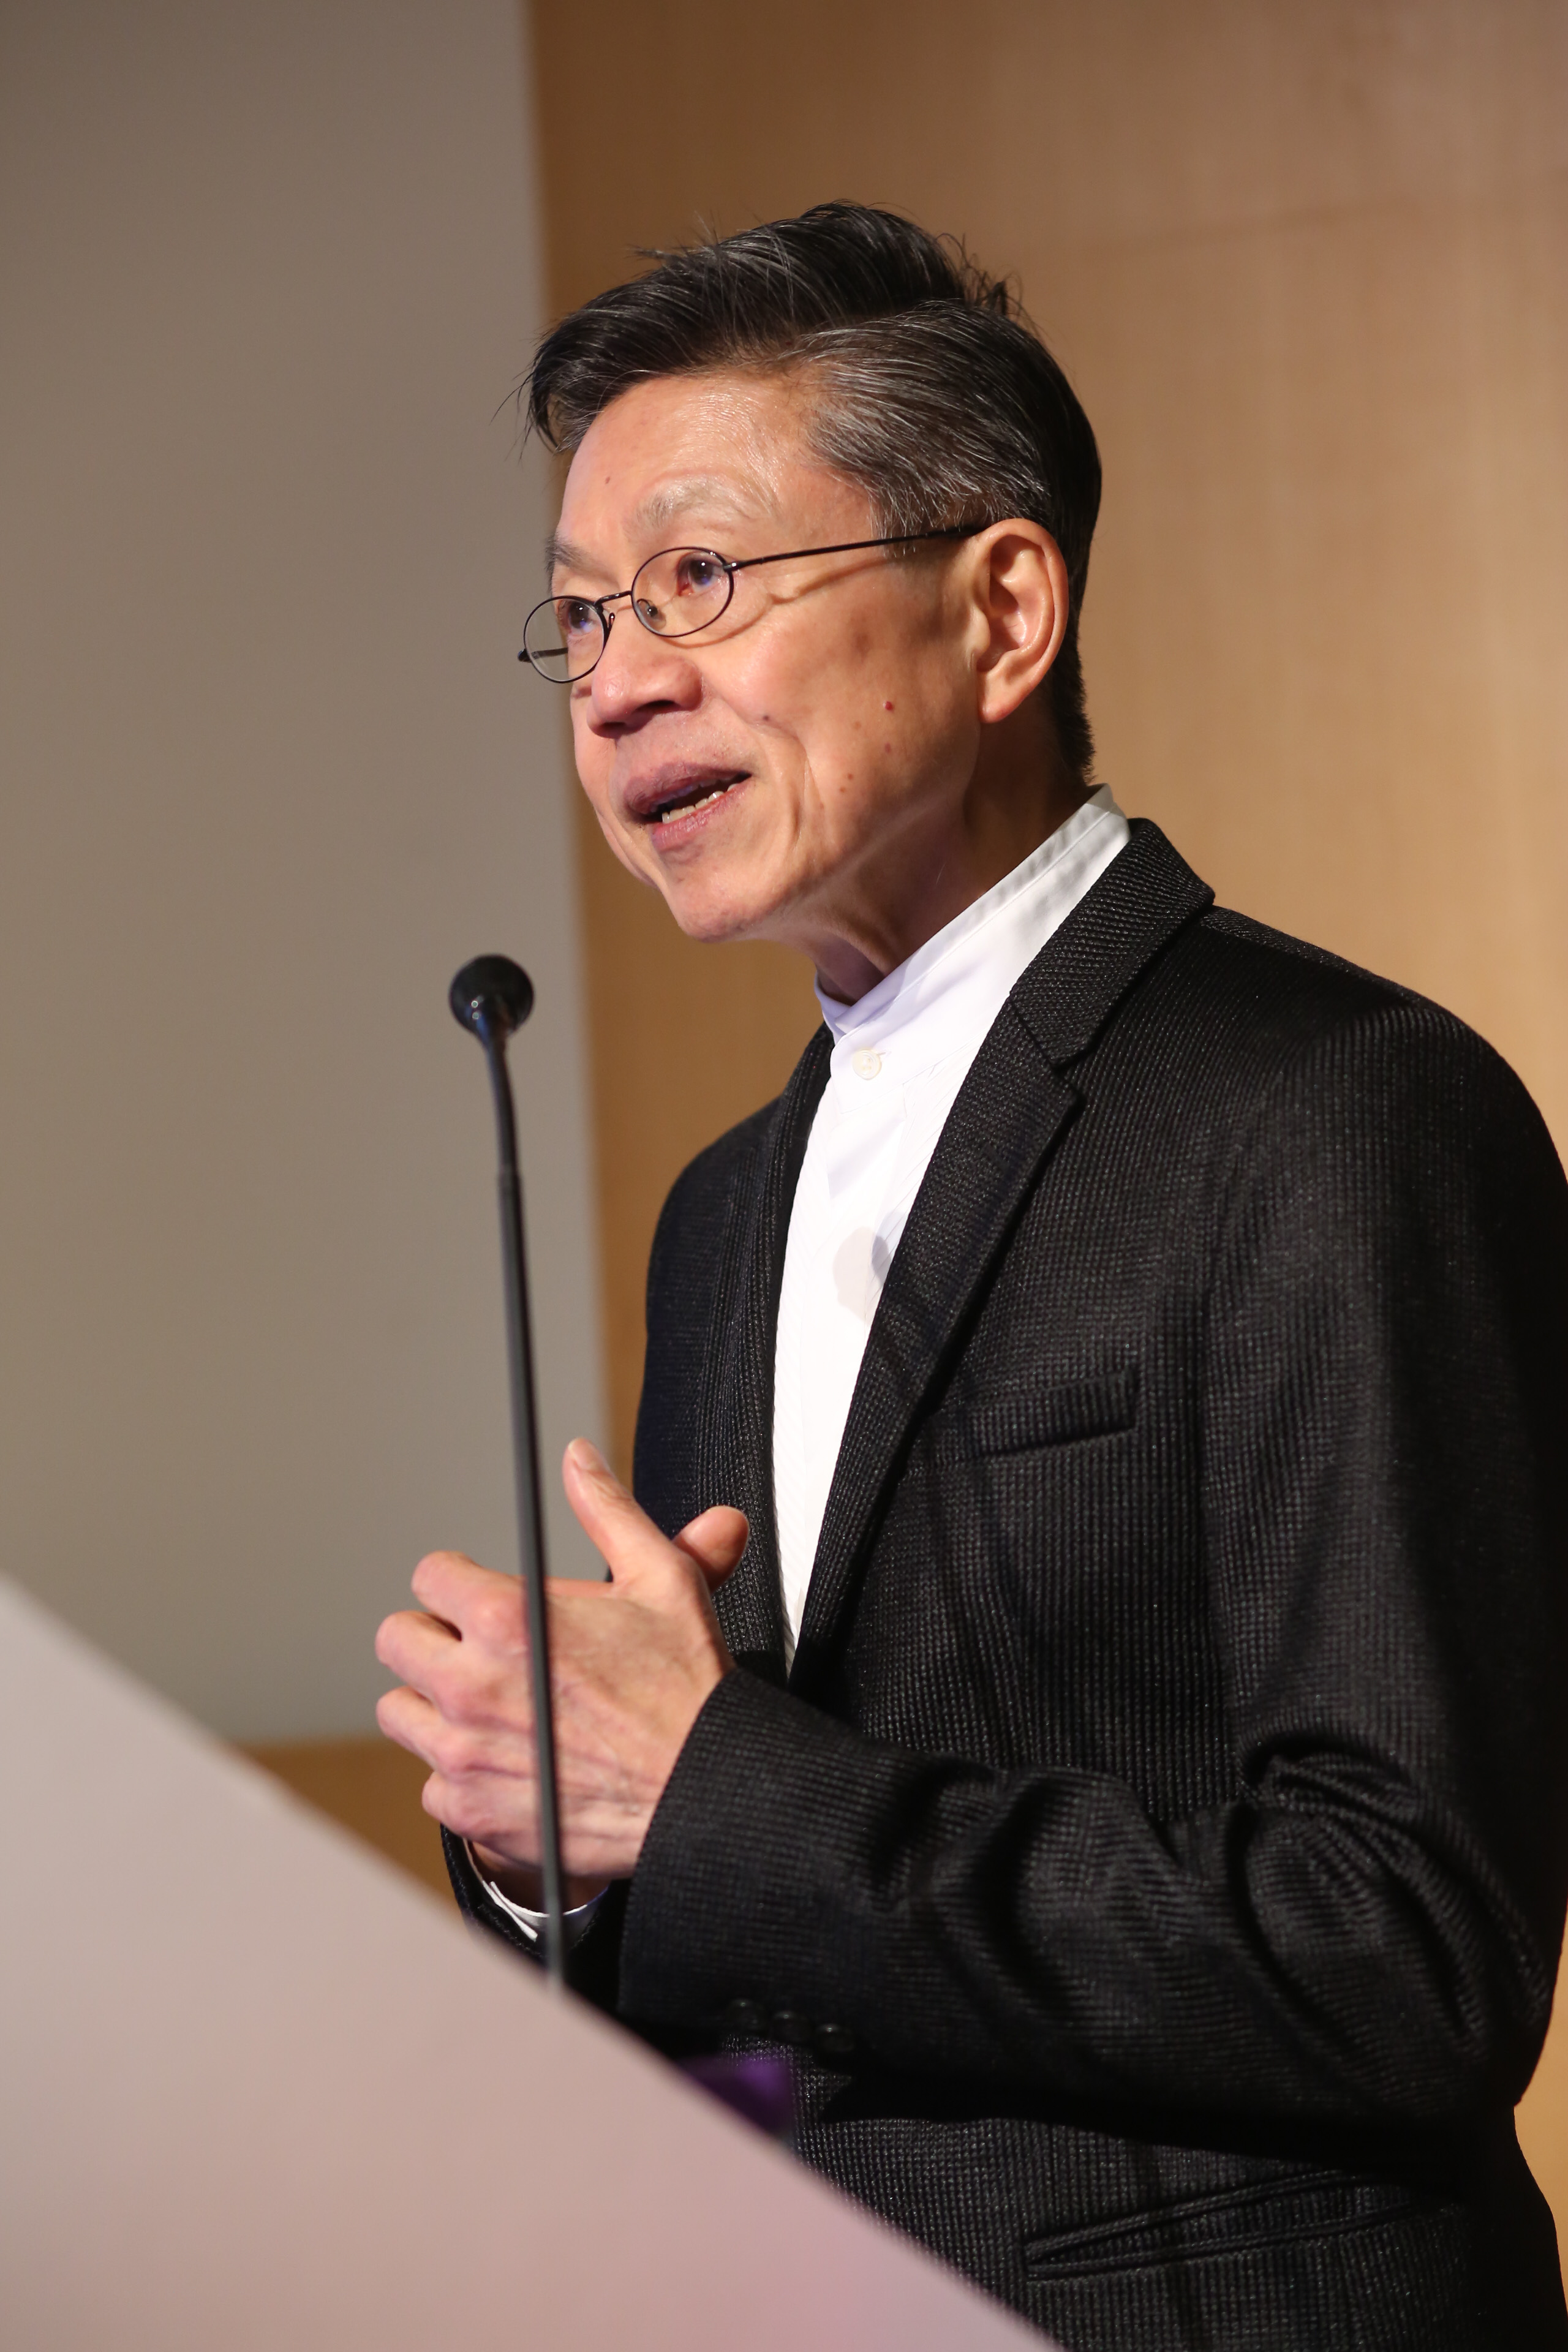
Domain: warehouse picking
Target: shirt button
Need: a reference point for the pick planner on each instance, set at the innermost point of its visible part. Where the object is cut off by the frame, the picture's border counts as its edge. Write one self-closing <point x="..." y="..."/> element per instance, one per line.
<point x="789" y="2025"/>
<point x="834" y="2042"/>
<point x="745" y="2017"/>
<point x="865" y="1064"/>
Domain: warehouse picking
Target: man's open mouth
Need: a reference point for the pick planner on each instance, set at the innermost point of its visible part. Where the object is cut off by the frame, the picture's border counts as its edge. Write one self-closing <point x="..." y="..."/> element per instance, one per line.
<point x="683" y="799"/>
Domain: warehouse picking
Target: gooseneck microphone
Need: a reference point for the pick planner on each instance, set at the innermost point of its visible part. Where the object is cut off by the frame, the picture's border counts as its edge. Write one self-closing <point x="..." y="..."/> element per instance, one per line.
<point x="492" y="997"/>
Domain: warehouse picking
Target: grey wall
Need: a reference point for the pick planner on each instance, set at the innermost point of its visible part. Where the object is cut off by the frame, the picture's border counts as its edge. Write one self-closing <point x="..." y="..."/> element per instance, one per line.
<point x="271" y="771"/>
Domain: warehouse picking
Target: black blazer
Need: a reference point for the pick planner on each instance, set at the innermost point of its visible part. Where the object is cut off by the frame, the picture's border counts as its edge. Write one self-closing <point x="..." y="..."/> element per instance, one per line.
<point x="1156" y="1855"/>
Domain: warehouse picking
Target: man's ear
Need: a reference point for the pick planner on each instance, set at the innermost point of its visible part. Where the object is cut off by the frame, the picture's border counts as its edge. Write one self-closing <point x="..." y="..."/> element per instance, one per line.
<point x="1020" y="603"/>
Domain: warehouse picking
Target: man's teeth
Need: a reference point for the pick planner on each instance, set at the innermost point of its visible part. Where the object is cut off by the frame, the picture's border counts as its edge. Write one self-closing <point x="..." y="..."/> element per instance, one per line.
<point x="686" y="808"/>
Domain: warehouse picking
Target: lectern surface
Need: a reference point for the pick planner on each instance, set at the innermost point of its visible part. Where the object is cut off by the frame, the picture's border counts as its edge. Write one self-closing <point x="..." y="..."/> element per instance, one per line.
<point x="258" y="2090"/>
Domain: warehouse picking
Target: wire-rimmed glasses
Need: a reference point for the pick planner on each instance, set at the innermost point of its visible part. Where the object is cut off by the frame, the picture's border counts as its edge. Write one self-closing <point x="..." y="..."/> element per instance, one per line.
<point x="676" y="592"/>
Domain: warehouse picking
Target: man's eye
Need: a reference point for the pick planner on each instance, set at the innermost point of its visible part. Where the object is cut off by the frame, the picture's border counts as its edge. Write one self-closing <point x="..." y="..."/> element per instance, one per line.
<point x="575" y="616"/>
<point x="699" y="575"/>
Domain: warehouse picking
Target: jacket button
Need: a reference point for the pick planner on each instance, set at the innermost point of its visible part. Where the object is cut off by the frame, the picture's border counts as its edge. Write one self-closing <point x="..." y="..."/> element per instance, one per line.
<point x="744" y="2017"/>
<point x="834" y="2041"/>
<point x="789" y="2025"/>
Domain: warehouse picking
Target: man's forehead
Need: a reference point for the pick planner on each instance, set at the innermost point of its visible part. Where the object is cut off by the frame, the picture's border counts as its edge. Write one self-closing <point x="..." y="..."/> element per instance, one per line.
<point x="718" y="447"/>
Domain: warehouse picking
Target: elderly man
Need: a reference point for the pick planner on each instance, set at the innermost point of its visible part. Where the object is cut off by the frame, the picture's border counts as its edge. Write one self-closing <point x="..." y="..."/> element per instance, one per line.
<point x="1083" y="1665"/>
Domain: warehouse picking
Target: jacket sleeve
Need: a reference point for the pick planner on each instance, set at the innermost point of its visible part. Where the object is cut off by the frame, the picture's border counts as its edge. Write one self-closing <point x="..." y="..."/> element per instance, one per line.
<point x="1368" y="1928"/>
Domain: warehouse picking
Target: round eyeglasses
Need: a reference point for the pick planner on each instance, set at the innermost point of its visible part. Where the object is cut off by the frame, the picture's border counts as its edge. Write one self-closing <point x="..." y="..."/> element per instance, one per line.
<point x="673" y="594"/>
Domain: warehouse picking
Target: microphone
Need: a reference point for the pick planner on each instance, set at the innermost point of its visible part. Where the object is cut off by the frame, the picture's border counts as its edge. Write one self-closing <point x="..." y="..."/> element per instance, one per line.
<point x="489" y="998"/>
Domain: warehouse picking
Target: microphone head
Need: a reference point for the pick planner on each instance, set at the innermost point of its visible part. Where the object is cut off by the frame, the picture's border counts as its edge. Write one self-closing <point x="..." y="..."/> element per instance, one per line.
<point x="491" y="993"/>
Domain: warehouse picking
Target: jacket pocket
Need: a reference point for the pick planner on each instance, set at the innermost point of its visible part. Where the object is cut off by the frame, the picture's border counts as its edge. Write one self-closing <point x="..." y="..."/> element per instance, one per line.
<point x="1234" y="2221"/>
<point x="1340" y="2264"/>
<point x="1092" y="1407"/>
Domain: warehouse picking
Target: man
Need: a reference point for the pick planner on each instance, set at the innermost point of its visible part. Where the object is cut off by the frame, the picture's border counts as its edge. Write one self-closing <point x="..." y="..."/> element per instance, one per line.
<point x="1082" y="1667"/>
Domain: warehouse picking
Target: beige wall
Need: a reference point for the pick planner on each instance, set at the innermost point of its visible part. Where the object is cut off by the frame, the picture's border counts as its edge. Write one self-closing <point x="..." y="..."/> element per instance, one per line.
<point x="1309" y="268"/>
<point x="268" y="775"/>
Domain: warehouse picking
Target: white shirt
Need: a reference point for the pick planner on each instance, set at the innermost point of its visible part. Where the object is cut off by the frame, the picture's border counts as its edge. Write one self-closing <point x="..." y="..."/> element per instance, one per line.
<point x="899" y="1055"/>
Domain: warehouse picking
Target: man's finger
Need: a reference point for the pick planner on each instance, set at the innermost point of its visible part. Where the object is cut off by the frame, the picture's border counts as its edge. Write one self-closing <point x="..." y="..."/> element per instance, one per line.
<point x="413" y="1647"/>
<point x="412" y="1721"/>
<point x="612" y="1519"/>
<point x="459" y="1592"/>
<point x="715" y="1540"/>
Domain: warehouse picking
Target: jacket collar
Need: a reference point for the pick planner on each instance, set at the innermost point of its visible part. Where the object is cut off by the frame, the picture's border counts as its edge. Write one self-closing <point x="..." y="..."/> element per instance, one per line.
<point x="740" y="1468"/>
<point x="1007" y="1116"/>
<point x="1134" y="910"/>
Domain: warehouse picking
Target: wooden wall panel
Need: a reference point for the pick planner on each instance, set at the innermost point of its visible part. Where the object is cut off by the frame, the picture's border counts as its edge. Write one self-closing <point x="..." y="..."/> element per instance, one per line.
<point x="1309" y="268"/>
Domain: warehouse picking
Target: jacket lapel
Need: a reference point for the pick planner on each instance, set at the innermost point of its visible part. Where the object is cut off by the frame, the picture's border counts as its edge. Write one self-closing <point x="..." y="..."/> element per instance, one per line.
<point x="1009" y="1114"/>
<point x="738" y="1454"/>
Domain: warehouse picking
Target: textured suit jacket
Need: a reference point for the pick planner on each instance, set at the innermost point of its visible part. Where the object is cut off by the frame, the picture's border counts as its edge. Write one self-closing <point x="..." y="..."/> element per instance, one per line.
<point x="1156" y="1855"/>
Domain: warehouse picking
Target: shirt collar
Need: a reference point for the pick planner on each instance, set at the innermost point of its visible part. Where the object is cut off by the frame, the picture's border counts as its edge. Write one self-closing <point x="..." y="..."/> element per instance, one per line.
<point x="946" y="995"/>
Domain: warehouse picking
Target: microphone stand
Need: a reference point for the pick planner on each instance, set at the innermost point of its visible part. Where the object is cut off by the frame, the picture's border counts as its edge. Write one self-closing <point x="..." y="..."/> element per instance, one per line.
<point x="492" y="997"/>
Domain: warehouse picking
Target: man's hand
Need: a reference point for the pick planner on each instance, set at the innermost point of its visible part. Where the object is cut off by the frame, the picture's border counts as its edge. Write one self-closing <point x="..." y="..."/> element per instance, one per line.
<point x="631" y="1664"/>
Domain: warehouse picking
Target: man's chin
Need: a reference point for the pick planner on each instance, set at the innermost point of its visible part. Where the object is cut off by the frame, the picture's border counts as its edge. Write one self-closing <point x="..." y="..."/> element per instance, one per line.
<point x="718" y="889"/>
<point x="711" y="916"/>
<point x="712" y="927"/>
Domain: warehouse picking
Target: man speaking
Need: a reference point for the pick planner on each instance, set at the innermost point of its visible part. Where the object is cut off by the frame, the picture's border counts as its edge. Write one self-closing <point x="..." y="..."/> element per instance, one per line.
<point x="1084" y="1665"/>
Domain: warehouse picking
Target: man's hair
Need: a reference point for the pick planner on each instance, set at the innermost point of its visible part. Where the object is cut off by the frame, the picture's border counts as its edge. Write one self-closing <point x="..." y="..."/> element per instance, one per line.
<point x="933" y="390"/>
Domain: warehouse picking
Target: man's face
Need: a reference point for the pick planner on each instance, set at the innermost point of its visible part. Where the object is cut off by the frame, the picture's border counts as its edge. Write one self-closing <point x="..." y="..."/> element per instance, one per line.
<point x="787" y="771"/>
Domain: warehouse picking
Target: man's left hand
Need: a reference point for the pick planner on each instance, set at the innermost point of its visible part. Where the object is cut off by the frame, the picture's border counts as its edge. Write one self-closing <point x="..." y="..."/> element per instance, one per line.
<point x="631" y="1665"/>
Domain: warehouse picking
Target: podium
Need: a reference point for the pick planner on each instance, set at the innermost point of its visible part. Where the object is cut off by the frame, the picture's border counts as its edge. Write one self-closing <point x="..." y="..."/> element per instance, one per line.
<point x="261" y="2091"/>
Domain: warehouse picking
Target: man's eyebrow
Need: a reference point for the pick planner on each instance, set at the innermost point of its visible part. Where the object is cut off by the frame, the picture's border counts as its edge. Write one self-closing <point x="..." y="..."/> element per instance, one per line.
<point x="673" y="499"/>
<point x="559" y="550"/>
<point x="660" y="509"/>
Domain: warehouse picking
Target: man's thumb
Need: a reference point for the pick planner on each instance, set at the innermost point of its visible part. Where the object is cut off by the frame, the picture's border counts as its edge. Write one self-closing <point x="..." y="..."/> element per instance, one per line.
<point x="715" y="1540"/>
<point x="622" y="1532"/>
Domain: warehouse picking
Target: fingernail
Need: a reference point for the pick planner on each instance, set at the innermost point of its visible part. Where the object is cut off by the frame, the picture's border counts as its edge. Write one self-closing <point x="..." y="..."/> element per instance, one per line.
<point x="586" y="1454"/>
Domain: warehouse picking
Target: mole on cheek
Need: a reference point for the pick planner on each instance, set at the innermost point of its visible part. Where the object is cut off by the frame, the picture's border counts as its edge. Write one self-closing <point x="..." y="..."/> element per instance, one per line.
<point x="887" y="706"/>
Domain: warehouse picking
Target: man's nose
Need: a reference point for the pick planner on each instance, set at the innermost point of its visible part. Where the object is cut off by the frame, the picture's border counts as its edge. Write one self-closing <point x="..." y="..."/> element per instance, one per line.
<point x="638" y="672"/>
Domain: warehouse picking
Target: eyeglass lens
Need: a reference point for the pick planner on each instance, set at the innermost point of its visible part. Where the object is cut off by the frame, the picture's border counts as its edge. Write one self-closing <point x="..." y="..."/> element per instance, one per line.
<point x="675" y="593"/>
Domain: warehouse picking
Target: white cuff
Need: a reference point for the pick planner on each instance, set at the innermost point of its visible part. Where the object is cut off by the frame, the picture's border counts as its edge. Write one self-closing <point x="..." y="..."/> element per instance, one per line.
<point x="532" y="1922"/>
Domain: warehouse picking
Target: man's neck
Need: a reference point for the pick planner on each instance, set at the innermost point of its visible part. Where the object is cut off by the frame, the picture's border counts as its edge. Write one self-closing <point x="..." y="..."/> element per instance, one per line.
<point x="931" y="881"/>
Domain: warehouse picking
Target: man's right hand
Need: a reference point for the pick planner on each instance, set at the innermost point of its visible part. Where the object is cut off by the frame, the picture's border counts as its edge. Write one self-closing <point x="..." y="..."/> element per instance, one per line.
<point x="632" y="1664"/>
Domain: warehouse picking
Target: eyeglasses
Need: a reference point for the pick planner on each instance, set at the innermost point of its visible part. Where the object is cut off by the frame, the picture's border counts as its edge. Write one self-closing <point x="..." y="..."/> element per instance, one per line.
<point x="673" y="594"/>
